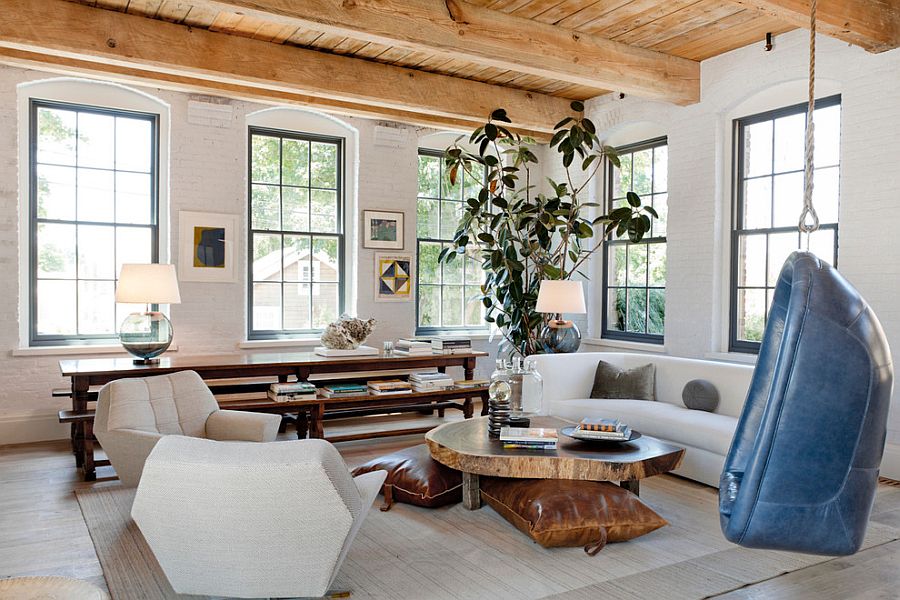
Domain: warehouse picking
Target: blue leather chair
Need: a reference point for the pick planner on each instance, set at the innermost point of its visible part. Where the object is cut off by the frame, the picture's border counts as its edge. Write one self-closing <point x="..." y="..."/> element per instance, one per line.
<point x="803" y="466"/>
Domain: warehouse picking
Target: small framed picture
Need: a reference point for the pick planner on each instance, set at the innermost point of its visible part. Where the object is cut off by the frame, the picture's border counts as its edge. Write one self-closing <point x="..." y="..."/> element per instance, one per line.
<point x="206" y="247"/>
<point x="383" y="229"/>
<point x="395" y="277"/>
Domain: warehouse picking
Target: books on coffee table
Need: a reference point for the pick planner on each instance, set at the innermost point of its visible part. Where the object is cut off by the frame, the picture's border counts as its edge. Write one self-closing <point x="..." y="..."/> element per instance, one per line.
<point x="538" y="438"/>
<point x="287" y="392"/>
<point x="344" y="390"/>
<point x="612" y="430"/>
<point x="390" y="387"/>
<point x="430" y="381"/>
<point x="410" y="347"/>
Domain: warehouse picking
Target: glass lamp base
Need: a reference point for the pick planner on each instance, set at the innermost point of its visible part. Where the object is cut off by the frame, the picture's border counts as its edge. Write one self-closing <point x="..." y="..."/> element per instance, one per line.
<point x="560" y="337"/>
<point x="146" y="335"/>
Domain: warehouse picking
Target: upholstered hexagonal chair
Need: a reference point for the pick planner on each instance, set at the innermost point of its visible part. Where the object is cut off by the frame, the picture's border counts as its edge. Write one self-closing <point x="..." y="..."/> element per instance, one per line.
<point x="134" y="414"/>
<point x="251" y="520"/>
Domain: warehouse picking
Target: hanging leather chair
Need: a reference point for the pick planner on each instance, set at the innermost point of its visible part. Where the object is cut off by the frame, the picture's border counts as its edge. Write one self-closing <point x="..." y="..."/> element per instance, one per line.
<point x="803" y="466"/>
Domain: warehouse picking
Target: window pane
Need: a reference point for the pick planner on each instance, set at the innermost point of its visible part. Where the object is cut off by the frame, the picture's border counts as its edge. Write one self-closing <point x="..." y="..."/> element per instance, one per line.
<point x="622" y="177"/>
<point x="96" y="196"/>
<point x="451" y="213"/>
<point x="96" y="141"/>
<point x="133" y="204"/>
<point x="822" y="244"/>
<point x="637" y="264"/>
<point x="324" y="165"/>
<point x="267" y="306"/>
<point x="474" y="272"/>
<point x="637" y="309"/>
<point x="429" y="305"/>
<point x="264" y="160"/>
<point x="295" y="162"/>
<point x="134" y="144"/>
<point x="55" y="192"/>
<point x="790" y="132"/>
<point x="266" y="257"/>
<point x="757" y="203"/>
<point x="451" y="191"/>
<point x="134" y="245"/>
<point x="429" y="268"/>
<point x="788" y="200"/>
<point x="780" y="247"/>
<point x="297" y="306"/>
<point x="657" y="264"/>
<point x="56" y="306"/>
<point x="660" y="169"/>
<point x="56" y="136"/>
<point x="751" y="260"/>
<point x="656" y="323"/>
<point x="452" y="312"/>
<point x="266" y="207"/>
<point x="617" y="264"/>
<point x="96" y="252"/>
<point x="474" y="307"/>
<point x="473" y="181"/>
<point x="643" y="171"/>
<point x="453" y="270"/>
<point x="826" y="192"/>
<point x="827" y="136"/>
<point x="758" y="149"/>
<point x="298" y="263"/>
<point x="751" y="315"/>
<point x="324" y="211"/>
<point x="97" y="308"/>
<point x="56" y="251"/>
<point x="427" y="218"/>
<point x="429" y="176"/>
<point x="659" y="226"/>
<point x="326" y="262"/>
<point x="325" y="297"/>
<point x="296" y="208"/>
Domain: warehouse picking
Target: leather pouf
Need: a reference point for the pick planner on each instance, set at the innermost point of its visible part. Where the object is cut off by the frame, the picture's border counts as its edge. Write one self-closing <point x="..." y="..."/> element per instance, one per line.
<point x="564" y="512"/>
<point x="415" y="478"/>
<point x="49" y="588"/>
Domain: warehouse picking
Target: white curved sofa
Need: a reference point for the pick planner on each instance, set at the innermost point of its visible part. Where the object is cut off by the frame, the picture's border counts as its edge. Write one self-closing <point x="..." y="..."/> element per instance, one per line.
<point x="706" y="437"/>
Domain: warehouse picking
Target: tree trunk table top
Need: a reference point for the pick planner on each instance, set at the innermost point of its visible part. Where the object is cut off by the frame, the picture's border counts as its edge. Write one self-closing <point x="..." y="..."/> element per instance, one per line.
<point x="465" y="446"/>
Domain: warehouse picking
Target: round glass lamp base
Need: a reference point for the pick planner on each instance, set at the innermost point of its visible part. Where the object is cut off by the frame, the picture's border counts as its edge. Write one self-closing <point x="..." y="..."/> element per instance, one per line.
<point x="560" y="337"/>
<point x="146" y="335"/>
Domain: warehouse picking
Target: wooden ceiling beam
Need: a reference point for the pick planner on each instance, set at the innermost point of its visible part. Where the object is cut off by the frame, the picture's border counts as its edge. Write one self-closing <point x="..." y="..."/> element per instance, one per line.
<point x="463" y="30"/>
<point x="871" y="24"/>
<point x="112" y="39"/>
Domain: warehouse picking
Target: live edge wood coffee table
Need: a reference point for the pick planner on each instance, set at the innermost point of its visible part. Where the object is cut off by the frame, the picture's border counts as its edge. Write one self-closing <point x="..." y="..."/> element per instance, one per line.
<point x="465" y="446"/>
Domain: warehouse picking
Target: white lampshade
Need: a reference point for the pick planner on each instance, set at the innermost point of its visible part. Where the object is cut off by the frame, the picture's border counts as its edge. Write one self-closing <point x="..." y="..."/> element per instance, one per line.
<point x="148" y="284"/>
<point x="560" y="296"/>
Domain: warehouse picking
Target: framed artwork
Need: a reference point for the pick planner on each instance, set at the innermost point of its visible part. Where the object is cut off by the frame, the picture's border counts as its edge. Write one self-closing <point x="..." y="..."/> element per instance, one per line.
<point x="394" y="281"/>
<point x="383" y="229"/>
<point x="206" y="247"/>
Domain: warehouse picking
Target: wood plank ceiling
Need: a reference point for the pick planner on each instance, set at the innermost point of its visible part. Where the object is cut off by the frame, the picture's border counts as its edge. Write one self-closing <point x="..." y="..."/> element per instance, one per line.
<point x="691" y="29"/>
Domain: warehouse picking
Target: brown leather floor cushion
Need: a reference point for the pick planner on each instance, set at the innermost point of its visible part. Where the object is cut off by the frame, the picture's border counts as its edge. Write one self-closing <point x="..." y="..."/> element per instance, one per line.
<point x="561" y="512"/>
<point x="416" y="478"/>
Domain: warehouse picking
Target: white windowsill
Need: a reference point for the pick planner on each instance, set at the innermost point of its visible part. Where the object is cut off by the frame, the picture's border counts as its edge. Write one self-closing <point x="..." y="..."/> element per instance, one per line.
<point x="291" y="343"/>
<point x="82" y="349"/>
<point x="450" y="334"/>
<point x="735" y="357"/>
<point x="625" y="345"/>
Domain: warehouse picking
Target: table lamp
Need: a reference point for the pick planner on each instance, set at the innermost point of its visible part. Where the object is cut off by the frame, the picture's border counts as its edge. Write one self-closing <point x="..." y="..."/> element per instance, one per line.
<point x="557" y="296"/>
<point x="147" y="334"/>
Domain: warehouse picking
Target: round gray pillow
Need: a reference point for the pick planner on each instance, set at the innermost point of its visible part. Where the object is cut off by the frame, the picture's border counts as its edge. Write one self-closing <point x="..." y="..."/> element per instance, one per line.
<point x="699" y="394"/>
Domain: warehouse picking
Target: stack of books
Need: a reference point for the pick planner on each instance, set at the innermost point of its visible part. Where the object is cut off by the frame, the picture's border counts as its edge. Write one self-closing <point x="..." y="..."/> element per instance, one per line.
<point x="451" y="345"/>
<point x="390" y="387"/>
<point x="470" y="383"/>
<point x="344" y="390"/>
<point x="410" y="347"/>
<point x="531" y="438"/>
<point x="430" y="381"/>
<point x="286" y="392"/>
<point x="613" y="430"/>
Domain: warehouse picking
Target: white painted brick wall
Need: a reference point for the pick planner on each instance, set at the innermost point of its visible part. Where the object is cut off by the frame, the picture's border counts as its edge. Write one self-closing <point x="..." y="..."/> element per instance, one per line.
<point x="700" y="179"/>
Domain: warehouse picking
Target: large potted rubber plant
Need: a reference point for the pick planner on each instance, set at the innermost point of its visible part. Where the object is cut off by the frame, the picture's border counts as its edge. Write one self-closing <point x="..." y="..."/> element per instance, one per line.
<point x="524" y="236"/>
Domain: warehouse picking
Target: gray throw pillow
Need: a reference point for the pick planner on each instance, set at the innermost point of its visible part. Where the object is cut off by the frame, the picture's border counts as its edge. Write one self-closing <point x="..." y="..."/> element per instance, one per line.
<point x="700" y="394"/>
<point x="611" y="382"/>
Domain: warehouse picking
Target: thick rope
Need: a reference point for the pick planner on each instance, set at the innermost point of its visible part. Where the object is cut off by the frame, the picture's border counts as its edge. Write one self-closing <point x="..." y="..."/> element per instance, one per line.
<point x="809" y="219"/>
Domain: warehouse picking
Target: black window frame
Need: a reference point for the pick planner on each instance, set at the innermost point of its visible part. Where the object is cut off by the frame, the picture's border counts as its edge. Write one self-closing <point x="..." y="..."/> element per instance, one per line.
<point x="430" y="330"/>
<point x="34" y="104"/>
<point x="340" y="235"/>
<point x="611" y="242"/>
<point x="737" y="179"/>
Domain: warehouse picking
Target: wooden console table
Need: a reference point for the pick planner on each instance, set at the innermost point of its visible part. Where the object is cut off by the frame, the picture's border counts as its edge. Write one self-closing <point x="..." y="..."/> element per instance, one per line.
<point x="87" y="374"/>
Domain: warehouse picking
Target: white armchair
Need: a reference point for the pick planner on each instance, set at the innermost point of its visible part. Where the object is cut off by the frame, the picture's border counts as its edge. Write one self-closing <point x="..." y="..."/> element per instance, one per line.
<point x="134" y="414"/>
<point x="251" y="520"/>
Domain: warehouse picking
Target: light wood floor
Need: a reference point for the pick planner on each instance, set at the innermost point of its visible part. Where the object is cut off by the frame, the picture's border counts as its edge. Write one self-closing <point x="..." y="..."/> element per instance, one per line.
<point x="42" y="531"/>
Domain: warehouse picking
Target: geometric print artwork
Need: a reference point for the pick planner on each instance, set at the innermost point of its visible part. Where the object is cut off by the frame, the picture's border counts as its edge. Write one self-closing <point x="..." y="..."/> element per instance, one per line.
<point x="394" y="277"/>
